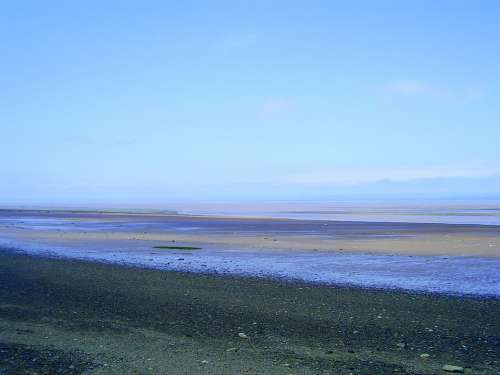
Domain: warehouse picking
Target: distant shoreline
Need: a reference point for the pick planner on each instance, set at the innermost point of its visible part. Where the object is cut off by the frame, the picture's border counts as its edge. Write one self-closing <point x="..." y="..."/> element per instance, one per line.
<point x="488" y="215"/>
<point x="210" y="216"/>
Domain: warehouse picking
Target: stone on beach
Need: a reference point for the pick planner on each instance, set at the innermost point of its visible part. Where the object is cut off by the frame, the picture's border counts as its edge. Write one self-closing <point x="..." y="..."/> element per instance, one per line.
<point x="453" y="368"/>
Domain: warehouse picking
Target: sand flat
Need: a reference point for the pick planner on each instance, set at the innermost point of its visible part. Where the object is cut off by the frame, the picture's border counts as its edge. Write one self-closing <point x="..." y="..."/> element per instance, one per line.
<point x="456" y="259"/>
<point x="257" y="233"/>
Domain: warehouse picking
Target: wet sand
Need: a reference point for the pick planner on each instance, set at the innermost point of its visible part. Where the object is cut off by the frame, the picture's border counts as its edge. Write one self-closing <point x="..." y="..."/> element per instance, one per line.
<point x="257" y="233"/>
<point x="72" y="317"/>
<point x="457" y="259"/>
<point x="61" y="312"/>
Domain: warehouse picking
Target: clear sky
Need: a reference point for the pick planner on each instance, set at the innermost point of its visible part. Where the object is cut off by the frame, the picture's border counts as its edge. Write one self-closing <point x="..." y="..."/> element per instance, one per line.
<point x="154" y="101"/>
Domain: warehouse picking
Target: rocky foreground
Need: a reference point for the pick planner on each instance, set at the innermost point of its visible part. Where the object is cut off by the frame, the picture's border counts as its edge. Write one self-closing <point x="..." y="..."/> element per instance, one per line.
<point x="73" y="317"/>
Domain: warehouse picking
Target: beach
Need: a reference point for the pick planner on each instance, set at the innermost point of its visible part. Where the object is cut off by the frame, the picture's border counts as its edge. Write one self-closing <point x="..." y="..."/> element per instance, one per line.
<point x="87" y="292"/>
<point x="423" y="257"/>
<point x="250" y="188"/>
<point x="74" y="317"/>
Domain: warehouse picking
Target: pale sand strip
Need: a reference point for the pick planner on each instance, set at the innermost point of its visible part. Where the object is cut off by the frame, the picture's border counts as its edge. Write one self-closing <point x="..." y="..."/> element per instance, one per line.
<point x="453" y="244"/>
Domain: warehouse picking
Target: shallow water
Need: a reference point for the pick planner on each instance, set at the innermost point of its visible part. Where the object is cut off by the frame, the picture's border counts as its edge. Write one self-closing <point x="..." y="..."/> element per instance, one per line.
<point x="456" y="212"/>
<point x="450" y="274"/>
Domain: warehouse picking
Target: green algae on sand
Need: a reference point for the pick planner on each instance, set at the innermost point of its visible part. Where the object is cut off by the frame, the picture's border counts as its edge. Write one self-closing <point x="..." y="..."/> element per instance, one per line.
<point x="177" y="247"/>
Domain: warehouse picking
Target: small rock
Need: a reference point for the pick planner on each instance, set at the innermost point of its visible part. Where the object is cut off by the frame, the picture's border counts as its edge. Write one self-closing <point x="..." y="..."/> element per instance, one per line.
<point x="453" y="368"/>
<point x="242" y="335"/>
<point x="204" y="361"/>
<point x="401" y="345"/>
<point x="424" y="355"/>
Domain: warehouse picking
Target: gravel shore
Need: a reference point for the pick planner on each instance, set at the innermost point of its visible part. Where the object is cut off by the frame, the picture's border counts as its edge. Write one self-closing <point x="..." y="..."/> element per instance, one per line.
<point x="74" y="317"/>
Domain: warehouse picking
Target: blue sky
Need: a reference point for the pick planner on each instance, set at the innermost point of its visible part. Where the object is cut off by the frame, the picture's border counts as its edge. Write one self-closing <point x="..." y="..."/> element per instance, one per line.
<point x="127" y="101"/>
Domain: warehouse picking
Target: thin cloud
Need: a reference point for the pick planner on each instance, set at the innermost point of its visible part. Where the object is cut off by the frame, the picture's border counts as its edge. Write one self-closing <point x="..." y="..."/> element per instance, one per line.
<point x="236" y="41"/>
<point x="276" y="106"/>
<point x="411" y="88"/>
<point x="361" y="176"/>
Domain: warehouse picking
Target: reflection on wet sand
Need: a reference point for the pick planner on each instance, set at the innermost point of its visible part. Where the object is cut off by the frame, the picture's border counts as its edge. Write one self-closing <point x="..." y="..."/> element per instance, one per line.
<point x="417" y="256"/>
